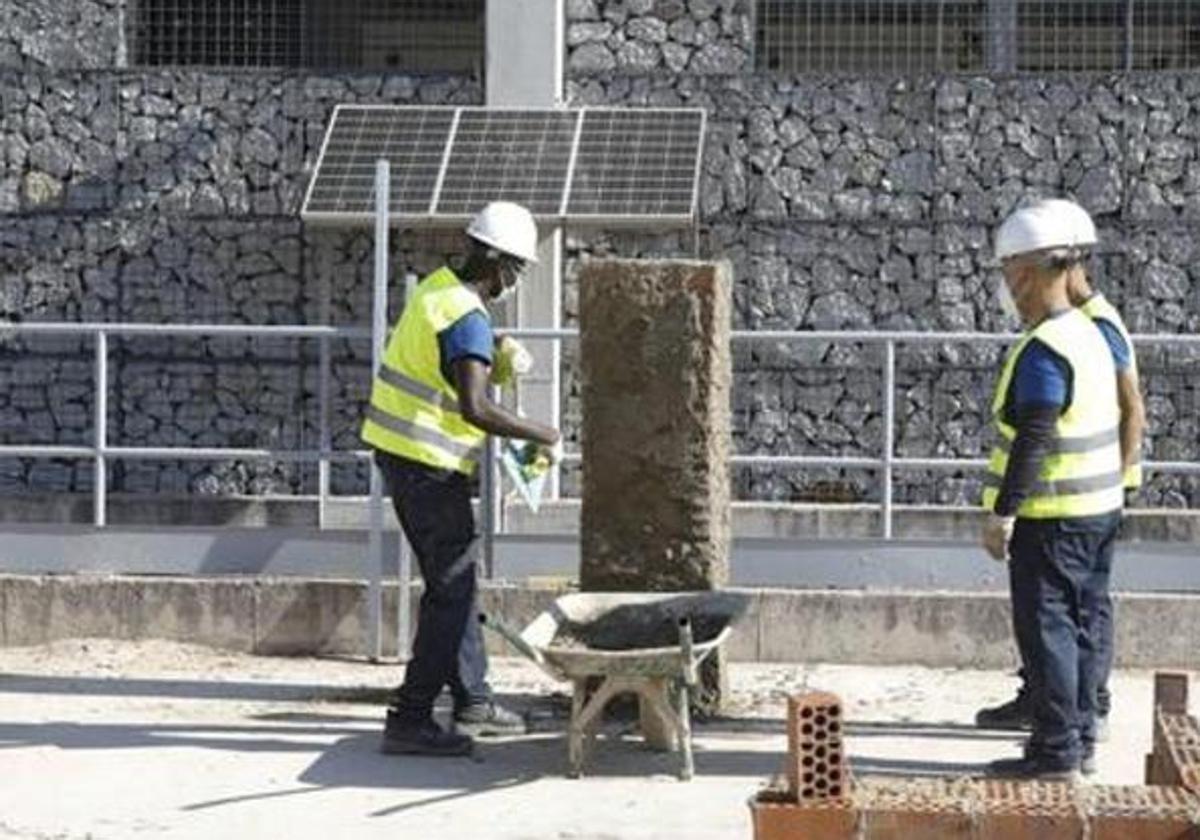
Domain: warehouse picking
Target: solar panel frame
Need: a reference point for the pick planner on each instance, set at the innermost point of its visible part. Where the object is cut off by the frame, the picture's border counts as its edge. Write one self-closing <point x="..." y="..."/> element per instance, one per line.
<point x="452" y="197"/>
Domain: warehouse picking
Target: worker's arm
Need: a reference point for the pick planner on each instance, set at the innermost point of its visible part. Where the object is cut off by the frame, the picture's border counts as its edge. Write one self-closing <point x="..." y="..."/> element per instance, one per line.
<point x="471" y="379"/>
<point x="1133" y="417"/>
<point x="1035" y="433"/>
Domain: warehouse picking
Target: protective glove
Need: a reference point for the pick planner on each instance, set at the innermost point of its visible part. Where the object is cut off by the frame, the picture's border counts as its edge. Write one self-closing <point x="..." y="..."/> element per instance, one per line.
<point x="997" y="532"/>
<point x="552" y="454"/>
<point x="510" y="361"/>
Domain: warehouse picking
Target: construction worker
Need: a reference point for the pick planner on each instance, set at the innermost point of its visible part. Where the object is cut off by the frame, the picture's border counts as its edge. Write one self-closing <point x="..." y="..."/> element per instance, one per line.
<point x="1018" y="712"/>
<point x="1053" y="488"/>
<point x="427" y="420"/>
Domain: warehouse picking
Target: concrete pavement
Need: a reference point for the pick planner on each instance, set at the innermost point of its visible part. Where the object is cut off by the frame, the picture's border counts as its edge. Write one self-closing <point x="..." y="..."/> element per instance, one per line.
<point x="102" y="739"/>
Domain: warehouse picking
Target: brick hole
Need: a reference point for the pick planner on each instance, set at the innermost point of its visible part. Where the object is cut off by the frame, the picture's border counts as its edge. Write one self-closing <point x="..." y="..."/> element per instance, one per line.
<point x="808" y="778"/>
<point x="808" y="792"/>
<point x="835" y="710"/>
<point x="807" y="729"/>
<point x="820" y="720"/>
<point x="807" y="761"/>
<point x="834" y="775"/>
<point x="833" y="726"/>
<point x="819" y="752"/>
<point x="806" y="712"/>
<point x="821" y="768"/>
<point x="835" y="790"/>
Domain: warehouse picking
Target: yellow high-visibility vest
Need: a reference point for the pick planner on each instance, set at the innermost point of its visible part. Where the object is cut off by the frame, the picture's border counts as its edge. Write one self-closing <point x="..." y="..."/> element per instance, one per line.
<point x="1081" y="475"/>
<point x="414" y="411"/>
<point x="1098" y="308"/>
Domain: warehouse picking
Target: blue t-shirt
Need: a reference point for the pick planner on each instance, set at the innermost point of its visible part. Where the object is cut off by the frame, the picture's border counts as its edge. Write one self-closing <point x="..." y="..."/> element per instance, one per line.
<point x="468" y="337"/>
<point x="1042" y="378"/>
<point x="1122" y="357"/>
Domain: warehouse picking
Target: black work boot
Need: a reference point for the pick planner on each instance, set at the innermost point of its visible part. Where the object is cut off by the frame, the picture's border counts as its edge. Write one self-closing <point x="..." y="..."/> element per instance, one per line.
<point x="488" y="718"/>
<point x="402" y="737"/>
<point x="1015" y="714"/>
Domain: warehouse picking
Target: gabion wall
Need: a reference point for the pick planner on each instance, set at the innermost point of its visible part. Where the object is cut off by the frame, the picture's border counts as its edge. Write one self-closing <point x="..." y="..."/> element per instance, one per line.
<point x="135" y="195"/>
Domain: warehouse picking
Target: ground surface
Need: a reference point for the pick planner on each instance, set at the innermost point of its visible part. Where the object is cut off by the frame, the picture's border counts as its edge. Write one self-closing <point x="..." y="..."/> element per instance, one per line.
<point x="102" y="739"/>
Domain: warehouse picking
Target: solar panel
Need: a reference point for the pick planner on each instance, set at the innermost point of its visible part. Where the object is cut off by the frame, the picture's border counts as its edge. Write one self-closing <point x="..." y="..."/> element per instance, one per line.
<point x="413" y="140"/>
<point x="599" y="165"/>
<point x="636" y="163"/>
<point x="519" y="156"/>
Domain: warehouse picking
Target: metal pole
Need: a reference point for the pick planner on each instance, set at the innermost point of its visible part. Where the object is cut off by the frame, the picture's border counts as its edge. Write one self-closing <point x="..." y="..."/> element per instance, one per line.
<point x="378" y="331"/>
<point x="1128" y="31"/>
<point x="490" y="499"/>
<point x="889" y="438"/>
<point x="404" y="597"/>
<point x="99" y="466"/>
<point x="324" y="374"/>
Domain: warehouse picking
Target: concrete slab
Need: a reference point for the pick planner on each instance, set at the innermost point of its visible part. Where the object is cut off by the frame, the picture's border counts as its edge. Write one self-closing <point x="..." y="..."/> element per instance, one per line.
<point x="219" y="612"/>
<point x="176" y="741"/>
<point x="935" y="629"/>
<point x="294" y="617"/>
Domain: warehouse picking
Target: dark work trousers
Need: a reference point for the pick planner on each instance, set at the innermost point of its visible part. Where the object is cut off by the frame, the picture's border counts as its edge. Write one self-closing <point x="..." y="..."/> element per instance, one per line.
<point x="434" y="509"/>
<point x="1105" y="637"/>
<point x="1059" y="575"/>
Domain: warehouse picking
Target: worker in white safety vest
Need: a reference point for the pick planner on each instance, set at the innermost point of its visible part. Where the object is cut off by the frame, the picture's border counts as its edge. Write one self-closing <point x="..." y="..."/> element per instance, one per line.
<point x="427" y="420"/>
<point x="1053" y="490"/>
<point x="1018" y="712"/>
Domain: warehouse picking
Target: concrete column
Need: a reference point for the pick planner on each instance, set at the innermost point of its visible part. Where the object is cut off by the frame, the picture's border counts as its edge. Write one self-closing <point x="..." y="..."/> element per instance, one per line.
<point x="525" y="54"/>
<point x="656" y="424"/>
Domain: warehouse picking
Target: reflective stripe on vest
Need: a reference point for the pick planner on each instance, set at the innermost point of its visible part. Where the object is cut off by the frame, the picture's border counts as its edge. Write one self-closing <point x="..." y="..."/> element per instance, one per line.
<point x="1081" y="474"/>
<point x="1098" y="308"/>
<point x="414" y="411"/>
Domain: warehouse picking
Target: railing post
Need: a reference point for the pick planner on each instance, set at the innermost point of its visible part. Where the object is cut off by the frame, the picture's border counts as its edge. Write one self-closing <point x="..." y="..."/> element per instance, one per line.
<point x="378" y="331"/>
<point x="889" y="437"/>
<point x="99" y="465"/>
<point x="490" y="500"/>
<point x="324" y="375"/>
<point x="404" y="593"/>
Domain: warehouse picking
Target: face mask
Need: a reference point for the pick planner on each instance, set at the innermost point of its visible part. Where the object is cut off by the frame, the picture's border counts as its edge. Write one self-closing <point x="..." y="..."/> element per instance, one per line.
<point x="1007" y="305"/>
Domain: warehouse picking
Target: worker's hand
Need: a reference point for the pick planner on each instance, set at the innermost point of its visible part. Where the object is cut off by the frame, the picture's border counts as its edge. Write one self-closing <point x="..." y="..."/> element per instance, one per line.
<point x="553" y="453"/>
<point x="511" y="361"/>
<point x="997" y="532"/>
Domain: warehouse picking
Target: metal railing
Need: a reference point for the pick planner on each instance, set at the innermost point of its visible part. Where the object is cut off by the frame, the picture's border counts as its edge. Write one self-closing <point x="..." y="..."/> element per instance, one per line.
<point x="885" y="464"/>
<point x="890" y="37"/>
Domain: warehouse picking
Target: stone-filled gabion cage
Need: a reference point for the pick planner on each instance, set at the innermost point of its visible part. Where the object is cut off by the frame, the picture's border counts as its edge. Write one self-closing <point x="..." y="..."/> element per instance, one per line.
<point x="171" y="194"/>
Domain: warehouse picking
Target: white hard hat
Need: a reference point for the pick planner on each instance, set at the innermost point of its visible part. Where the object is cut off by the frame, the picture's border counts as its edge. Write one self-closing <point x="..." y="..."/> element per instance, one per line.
<point x="1055" y="223"/>
<point x="507" y="227"/>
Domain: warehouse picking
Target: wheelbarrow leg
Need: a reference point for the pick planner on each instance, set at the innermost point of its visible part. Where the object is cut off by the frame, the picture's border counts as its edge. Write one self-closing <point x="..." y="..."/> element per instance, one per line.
<point x="575" y="732"/>
<point x="685" y="731"/>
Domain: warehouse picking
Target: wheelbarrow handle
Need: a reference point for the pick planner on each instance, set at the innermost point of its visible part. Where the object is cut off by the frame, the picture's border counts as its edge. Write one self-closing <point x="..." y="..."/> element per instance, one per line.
<point x="497" y="626"/>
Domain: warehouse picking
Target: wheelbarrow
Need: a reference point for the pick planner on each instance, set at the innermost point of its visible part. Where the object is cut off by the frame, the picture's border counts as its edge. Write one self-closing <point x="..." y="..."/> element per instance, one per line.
<point x="648" y="644"/>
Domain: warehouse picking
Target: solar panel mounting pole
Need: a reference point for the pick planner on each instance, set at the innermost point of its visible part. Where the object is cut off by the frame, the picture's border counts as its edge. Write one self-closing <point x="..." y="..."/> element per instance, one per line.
<point x="378" y="331"/>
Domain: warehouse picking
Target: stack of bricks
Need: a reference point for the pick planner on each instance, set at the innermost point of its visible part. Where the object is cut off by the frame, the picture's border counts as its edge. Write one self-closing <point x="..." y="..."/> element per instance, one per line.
<point x="816" y="767"/>
<point x="820" y="803"/>
<point x="1176" y="756"/>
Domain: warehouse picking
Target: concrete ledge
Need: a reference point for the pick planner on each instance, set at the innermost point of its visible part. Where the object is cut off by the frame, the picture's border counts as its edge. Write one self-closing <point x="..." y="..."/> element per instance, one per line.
<point x="288" y="616"/>
<point x="750" y="519"/>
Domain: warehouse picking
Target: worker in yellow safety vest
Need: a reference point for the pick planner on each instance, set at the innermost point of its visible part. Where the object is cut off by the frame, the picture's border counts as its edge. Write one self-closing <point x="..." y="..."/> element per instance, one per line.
<point x="427" y="420"/>
<point x="1053" y="490"/>
<point x="1018" y="712"/>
